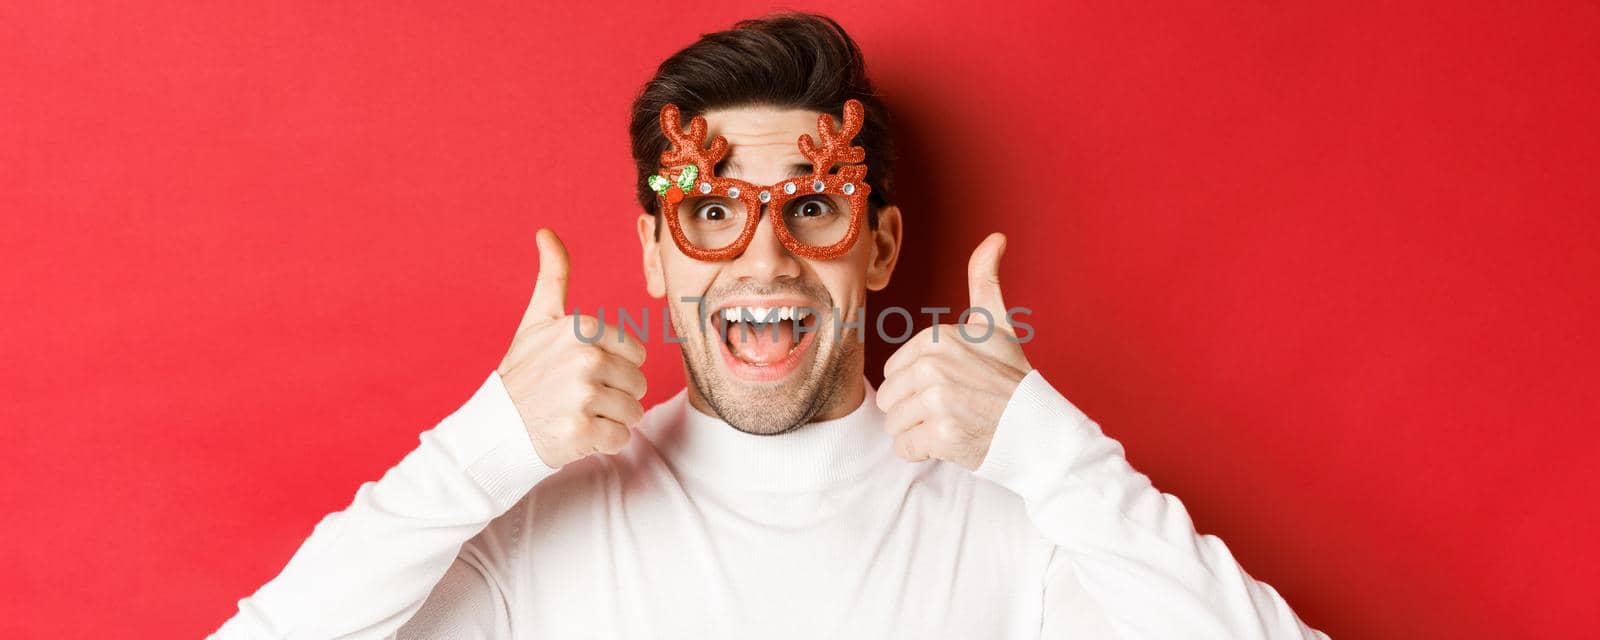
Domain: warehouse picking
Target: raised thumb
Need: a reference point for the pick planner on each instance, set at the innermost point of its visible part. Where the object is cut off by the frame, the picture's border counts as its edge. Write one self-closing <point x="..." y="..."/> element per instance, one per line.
<point x="550" y="289"/>
<point x="983" y="281"/>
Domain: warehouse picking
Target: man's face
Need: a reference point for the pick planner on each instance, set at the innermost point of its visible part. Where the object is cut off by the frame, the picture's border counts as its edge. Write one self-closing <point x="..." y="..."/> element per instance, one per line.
<point x="769" y="379"/>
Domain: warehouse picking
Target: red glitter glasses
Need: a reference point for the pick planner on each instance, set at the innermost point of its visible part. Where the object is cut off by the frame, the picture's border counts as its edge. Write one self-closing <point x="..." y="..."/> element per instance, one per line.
<point x="712" y="218"/>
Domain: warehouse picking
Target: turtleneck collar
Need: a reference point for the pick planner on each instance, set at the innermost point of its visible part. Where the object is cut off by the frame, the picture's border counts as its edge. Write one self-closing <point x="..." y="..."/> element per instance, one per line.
<point x="815" y="456"/>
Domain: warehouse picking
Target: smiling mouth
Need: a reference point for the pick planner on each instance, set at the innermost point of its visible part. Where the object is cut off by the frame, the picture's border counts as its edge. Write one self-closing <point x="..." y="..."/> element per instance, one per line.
<point x="764" y="342"/>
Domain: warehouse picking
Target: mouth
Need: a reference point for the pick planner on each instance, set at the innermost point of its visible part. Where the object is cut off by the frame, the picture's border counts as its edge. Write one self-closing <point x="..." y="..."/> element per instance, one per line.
<point x="764" y="340"/>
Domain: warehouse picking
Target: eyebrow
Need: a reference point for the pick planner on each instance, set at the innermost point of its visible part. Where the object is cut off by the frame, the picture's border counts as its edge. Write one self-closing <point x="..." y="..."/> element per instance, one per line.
<point x="797" y="170"/>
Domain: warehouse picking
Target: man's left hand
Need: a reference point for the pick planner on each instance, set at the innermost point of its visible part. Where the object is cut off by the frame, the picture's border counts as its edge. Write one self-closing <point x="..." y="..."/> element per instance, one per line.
<point x="945" y="389"/>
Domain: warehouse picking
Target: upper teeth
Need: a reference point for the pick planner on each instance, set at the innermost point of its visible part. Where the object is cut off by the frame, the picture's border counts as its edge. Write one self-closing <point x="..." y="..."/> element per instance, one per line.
<point x="764" y="314"/>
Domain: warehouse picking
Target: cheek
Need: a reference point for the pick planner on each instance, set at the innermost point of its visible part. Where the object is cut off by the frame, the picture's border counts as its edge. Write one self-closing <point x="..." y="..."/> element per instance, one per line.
<point x="687" y="278"/>
<point x="846" y="277"/>
<point x="846" y="281"/>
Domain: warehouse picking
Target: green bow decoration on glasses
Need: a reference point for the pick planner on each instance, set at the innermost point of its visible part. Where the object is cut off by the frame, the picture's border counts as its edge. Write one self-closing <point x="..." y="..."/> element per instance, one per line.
<point x="674" y="192"/>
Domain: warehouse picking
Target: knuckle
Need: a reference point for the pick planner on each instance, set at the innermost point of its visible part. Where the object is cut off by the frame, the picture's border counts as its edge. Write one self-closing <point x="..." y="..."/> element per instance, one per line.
<point x="566" y="430"/>
<point x="589" y="358"/>
<point x="588" y="396"/>
<point x="949" y="431"/>
<point x="588" y="325"/>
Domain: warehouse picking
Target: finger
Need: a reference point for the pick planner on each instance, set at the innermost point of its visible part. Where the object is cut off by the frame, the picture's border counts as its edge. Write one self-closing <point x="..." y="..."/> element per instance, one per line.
<point x="983" y="282"/>
<point x="907" y="380"/>
<point x="616" y="405"/>
<point x="918" y="346"/>
<point x="621" y="374"/>
<point x="610" y="436"/>
<point x="904" y="416"/>
<point x="912" y="445"/>
<point x="550" y="289"/>
<point x="622" y="344"/>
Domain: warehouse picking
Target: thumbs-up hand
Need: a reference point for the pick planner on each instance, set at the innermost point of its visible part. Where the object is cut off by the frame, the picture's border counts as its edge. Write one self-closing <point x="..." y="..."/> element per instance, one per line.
<point x="945" y="389"/>
<point x="576" y="398"/>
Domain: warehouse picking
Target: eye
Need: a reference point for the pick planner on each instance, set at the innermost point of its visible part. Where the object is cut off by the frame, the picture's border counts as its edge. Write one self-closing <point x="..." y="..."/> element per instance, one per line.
<point x="712" y="212"/>
<point x="812" y="207"/>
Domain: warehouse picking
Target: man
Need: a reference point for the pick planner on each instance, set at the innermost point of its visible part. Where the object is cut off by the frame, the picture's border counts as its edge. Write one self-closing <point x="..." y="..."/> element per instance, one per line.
<point x="765" y="499"/>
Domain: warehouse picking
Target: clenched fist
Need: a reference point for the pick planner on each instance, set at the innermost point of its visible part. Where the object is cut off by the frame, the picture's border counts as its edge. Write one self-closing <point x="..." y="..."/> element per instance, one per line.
<point x="944" y="396"/>
<point x="575" y="398"/>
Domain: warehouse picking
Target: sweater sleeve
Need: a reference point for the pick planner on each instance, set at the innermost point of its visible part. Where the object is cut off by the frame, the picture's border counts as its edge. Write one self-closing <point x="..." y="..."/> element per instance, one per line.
<point x="1124" y="546"/>
<point x="469" y="603"/>
<point x="367" y="569"/>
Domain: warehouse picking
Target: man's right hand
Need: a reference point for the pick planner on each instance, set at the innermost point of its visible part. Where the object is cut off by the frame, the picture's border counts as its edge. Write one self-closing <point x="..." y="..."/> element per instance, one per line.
<point x="575" y="398"/>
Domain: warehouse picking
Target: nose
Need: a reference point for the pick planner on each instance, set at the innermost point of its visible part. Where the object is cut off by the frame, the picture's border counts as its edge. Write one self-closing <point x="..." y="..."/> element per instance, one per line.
<point x="766" y="259"/>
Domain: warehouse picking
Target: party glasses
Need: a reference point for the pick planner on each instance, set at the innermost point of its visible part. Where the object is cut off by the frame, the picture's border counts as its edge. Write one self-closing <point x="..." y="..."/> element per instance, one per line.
<point x="817" y="216"/>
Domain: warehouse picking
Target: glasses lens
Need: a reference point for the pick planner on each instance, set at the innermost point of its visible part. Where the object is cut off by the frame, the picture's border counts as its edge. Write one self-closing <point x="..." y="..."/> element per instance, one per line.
<point x="818" y="220"/>
<point x="711" y="222"/>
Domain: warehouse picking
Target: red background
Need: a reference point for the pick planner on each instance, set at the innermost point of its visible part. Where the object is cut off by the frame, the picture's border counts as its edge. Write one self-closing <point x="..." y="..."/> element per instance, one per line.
<point x="1328" y="272"/>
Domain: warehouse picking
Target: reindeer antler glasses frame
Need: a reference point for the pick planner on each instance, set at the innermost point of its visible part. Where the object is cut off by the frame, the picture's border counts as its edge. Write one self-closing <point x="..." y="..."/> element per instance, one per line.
<point x="713" y="218"/>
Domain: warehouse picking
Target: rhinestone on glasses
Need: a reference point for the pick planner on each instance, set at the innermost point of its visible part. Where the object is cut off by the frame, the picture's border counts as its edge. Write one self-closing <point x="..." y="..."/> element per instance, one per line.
<point x="816" y="185"/>
<point x="849" y="188"/>
<point x="788" y="187"/>
<point x="705" y="187"/>
<point x="733" y="192"/>
<point x="764" y="196"/>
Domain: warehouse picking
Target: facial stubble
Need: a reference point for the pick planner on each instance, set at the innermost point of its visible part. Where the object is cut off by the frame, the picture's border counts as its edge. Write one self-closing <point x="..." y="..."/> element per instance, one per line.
<point x="783" y="411"/>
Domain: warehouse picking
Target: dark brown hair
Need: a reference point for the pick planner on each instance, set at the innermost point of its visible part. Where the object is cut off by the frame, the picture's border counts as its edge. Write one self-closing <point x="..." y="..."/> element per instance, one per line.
<point x="786" y="60"/>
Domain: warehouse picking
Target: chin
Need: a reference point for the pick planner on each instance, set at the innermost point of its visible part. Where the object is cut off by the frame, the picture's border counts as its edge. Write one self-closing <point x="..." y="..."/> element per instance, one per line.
<point x="772" y="397"/>
<point x="767" y="406"/>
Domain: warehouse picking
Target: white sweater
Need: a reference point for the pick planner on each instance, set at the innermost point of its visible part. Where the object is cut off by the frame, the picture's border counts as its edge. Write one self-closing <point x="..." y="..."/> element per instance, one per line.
<point x="697" y="530"/>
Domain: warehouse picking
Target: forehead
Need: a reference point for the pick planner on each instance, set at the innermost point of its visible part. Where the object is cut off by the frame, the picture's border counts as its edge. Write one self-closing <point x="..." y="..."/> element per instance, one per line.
<point x="761" y="138"/>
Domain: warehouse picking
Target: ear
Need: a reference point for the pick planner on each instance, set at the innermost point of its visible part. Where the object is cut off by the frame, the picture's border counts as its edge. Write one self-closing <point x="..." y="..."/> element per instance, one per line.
<point x="654" y="281"/>
<point x="885" y="248"/>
